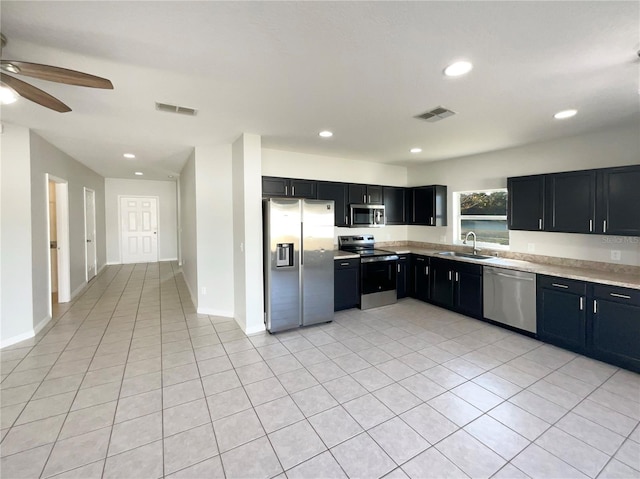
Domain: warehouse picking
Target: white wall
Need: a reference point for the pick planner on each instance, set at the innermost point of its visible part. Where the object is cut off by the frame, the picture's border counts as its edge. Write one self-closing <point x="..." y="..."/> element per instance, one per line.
<point x="247" y="233"/>
<point x="614" y="147"/>
<point x="290" y="164"/>
<point x="188" y="227"/>
<point x="167" y="214"/>
<point x="45" y="158"/>
<point x="214" y="218"/>
<point x="16" y="296"/>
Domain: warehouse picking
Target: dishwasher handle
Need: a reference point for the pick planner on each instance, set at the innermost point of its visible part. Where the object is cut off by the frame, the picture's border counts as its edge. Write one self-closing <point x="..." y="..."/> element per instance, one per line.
<point x="523" y="278"/>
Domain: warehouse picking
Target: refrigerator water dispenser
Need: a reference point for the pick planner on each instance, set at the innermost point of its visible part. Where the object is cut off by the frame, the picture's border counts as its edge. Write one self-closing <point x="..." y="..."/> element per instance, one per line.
<point x="284" y="255"/>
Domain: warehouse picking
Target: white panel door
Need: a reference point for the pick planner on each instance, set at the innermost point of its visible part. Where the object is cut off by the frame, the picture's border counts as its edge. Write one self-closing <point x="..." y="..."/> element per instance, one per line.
<point x="90" y="231"/>
<point x="139" y="229"/>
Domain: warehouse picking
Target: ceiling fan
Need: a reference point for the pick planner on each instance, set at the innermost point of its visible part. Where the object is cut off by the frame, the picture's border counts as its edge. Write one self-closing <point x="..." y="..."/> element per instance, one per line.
<point x="44" y="72"/>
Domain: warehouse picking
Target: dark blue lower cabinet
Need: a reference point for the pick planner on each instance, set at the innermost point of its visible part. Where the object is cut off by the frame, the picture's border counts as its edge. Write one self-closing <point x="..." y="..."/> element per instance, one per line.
<point x="346" y="284"/>
<point x="561" y="321"/>
<point x="599" y="321"/>
<point x="403" y="277"/>
<point x="457" y="285"/>
<point x="419" y="277"/>
<point x="615" y="326"/>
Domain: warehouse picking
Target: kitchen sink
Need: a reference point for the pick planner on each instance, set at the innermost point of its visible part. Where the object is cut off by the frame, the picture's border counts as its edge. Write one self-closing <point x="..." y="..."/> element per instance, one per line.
<point x="466" y="255"/>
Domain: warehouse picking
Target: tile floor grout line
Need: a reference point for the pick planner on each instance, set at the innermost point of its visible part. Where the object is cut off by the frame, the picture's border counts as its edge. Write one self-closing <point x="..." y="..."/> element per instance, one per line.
<point x="85" y="373"/>
<point x="124" y="372"/>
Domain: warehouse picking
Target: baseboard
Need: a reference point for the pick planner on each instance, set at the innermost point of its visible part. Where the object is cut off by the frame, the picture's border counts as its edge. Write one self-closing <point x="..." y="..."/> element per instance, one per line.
<point x="41" y="325"/>
<point x="256" y="329"/>
<point x="168" y="259"/>
<point x="215" y="312"/>
<point x="78" y="290"/>
<point x="16" y="339"/>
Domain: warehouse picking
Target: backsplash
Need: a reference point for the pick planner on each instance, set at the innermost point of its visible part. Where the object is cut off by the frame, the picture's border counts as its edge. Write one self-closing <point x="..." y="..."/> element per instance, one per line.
<point x="533" y="258"/>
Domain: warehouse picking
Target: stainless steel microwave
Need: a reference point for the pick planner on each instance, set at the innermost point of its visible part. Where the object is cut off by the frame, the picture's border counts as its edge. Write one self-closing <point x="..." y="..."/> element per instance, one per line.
<point x="367" y="216"/>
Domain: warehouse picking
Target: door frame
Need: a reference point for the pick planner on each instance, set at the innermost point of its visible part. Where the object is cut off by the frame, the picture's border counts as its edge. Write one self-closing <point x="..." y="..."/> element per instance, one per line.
<point x="95" y="249"/>
<point x="62" y="227"/>
<point x="120" y="246"/>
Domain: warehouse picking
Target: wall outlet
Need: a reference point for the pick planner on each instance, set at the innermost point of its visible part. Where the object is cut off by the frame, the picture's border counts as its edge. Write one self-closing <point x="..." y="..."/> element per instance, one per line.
<point x="242" y="247"/>
<point x="531" y="247"/>
<point x="615" y="255"/>
<point x="203" y="290"/>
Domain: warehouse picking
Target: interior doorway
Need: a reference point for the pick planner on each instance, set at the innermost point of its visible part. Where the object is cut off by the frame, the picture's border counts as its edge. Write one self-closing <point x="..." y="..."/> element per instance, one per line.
<point x="139" y="229"/>
<point x="90" y="233"/>
<point x="58" y="239"/>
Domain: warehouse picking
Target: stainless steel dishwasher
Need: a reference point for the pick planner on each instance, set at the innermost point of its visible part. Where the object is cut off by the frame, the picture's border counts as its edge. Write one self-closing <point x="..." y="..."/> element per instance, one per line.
<point x="510" y="297"/>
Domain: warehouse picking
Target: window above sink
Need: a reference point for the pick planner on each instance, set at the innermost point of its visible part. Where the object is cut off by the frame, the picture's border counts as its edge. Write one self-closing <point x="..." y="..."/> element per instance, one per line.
<point x="483" y="212"/>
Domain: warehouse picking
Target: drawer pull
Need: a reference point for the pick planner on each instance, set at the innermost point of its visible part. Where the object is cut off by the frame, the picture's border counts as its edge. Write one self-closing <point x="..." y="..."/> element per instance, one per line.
<point x="344" y="264"/>
<point x="558" y="285"/>
<point x="623" y="296"/>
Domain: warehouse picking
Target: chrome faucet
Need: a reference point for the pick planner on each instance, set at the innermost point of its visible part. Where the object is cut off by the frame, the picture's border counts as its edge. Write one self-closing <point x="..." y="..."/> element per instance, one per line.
<point x="475" y="250"/>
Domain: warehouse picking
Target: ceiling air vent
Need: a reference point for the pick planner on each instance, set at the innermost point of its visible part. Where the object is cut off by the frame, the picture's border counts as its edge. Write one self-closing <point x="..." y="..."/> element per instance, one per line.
<point x="437" y="114"/>
<point x="176" y="109"/>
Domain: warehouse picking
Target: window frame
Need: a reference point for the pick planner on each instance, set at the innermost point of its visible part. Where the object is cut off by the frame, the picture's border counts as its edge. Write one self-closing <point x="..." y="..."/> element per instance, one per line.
<point x="457" y="220"/>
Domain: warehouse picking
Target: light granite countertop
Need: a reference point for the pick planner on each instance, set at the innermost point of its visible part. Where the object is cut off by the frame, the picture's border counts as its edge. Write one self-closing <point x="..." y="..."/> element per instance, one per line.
<point x="624" y="280"/>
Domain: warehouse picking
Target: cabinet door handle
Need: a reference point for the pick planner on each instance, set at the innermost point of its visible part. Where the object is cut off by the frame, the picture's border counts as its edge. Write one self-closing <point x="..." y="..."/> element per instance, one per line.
<point x="431" y="220"/>
<point x="540" y="223"/>
<point x="581" y="303"/>
<point x="293" y="191"/>
<point x="426" y="271"/>
<point x="364" y="198"/>
<point x="398" y="268"/>
<point x="286" y="190"/>
<point x="623" y="296"/>
<point x="558" y="285"/>
<point x="590" y="226"/>
<point x="369" y="198"/>
<point x="595" y="306"/>
<point x="344" y="264"/>
<point x="449" y="275"/>
<point x="346" y="220"/>
<point x="457" y="277"/>
<point x="604" y="226"/>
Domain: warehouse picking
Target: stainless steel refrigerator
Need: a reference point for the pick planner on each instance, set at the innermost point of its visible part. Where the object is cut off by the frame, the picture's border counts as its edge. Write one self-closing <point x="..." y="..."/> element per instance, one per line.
<point x="298" y="262"/>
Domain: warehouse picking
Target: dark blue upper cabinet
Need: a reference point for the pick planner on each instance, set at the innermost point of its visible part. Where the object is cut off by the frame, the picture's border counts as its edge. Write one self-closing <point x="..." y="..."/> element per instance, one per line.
<point x="525" y="205"/>
<point x="618" y="211"/>
<point x="571" y="202"/>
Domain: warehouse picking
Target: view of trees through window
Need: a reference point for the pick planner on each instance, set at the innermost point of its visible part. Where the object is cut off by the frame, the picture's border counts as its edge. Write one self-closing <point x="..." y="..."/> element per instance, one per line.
<point x="485" y="213"/>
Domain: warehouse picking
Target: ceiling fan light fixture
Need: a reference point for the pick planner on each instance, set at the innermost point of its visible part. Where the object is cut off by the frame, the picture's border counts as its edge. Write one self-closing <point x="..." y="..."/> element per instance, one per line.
<point x="564" y="114"/>
<point x="458" y="69"/>
<point x="7" y="95"/>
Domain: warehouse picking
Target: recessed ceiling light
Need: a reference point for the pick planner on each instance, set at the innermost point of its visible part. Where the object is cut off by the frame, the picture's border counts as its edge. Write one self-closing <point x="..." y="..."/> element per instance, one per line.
<point x="129" y="155"/>
<point x="326" y="134"/>
<point x="415" y="150"/>
<point x="139" y="173"/>
<point x="7" y="94"/>
<point x="561" y="115"/>
<point x="458" y="68"/>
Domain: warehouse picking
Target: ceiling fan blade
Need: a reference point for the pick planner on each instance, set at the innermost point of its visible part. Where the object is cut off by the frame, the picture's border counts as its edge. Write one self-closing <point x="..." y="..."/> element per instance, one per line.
<point x="56" y="74"/>
<point x="34" y="94"/>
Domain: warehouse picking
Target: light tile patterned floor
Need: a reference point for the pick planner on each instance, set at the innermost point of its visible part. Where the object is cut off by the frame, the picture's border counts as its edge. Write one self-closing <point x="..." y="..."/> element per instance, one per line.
<point x="130" y="382"/>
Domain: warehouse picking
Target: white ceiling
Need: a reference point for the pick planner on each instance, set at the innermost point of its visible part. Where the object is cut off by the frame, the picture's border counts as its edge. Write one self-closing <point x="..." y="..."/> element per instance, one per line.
<point x="286" y="70"/>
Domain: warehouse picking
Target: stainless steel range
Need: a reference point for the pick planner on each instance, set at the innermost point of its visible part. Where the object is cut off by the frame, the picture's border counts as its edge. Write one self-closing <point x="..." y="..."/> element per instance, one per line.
<point x="377" y="270"/>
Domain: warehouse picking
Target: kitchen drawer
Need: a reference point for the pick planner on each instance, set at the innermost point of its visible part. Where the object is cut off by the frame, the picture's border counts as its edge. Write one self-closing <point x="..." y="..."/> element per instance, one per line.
<point x="346" y="263"/>
<point x="616" y="294"/>
<point x="562" y="284"/>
